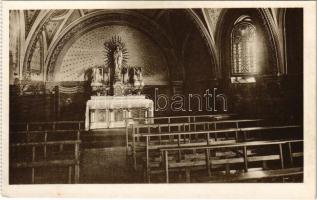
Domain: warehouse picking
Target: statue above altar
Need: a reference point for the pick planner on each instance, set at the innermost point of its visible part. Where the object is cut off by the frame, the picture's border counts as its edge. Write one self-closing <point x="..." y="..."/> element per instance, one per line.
<point x="116" y="77"/>
<point x="117" y="60"/>
<point x="116" y="83"/>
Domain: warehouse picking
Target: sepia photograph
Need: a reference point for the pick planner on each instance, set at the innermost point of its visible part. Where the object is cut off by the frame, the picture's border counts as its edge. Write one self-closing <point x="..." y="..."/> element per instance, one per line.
<point x="176" y="95"/>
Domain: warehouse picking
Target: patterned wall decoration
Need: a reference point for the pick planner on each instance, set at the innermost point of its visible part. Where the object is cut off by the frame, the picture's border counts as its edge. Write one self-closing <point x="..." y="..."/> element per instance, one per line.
<point x="36" y="61"/>
<point x="212" y="15"/>
<point x="51" y="28"/>
<point x="88" y="51"/>
<point x="52" y="25"/>
<point x="30" y="16"/>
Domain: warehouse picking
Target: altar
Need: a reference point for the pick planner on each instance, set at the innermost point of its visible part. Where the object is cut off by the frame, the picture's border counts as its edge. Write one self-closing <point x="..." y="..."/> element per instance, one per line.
<point x="116" y="111"/>
<point x="116" y="89"/>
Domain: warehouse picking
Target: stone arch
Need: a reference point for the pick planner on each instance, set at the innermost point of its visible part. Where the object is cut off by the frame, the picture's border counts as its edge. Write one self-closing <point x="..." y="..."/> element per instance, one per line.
<point x="208" y="38"/>
<point x="33" y="35"/>
<point x="267" y="22"/>
<point x="123" y="17"/>
<point x="291" y="22"/>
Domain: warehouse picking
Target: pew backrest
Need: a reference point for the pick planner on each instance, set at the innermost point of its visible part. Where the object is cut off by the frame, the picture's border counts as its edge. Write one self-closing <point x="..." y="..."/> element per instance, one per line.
<point x="54" y="125"/>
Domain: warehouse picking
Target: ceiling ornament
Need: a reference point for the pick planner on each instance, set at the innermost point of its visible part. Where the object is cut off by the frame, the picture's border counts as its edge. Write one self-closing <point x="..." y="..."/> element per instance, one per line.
<point x="30" y="17"/>
<point x="51" y="28"/>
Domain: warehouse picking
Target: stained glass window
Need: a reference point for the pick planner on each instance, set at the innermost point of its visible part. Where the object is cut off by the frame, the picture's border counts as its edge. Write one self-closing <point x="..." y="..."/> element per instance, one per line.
<point x="243" y="38"/>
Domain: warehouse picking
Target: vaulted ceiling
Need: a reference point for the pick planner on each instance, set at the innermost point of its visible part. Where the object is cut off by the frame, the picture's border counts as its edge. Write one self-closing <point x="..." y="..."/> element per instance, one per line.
<point x="42" y="35"/>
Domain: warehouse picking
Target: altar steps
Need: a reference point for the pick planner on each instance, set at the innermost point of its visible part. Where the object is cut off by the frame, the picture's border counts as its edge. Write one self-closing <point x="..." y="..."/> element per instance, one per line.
<point x="103" y="138"/>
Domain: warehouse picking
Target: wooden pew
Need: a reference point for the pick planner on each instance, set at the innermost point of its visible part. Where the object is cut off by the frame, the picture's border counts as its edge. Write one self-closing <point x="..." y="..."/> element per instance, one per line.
<point x="46" y="158"/>
<point x="208" y="162"/>
<point x="184" y="139"/>
<point x="190" y="126"/>
<point x="173" y="120"/>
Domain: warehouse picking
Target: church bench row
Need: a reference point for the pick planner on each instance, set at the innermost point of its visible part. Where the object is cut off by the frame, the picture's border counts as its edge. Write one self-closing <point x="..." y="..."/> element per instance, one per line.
<point x="138" y="130"/>
<point x="188" y="165"/>
<point x="44" y="154"/>
<point x="165" y="121"/>
<point x="163" y="140"/>
<point x="199" y="156"/>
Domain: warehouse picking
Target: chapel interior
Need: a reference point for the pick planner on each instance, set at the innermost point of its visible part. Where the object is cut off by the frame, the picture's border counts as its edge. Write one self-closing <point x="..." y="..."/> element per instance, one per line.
<point x="120" y="95"/>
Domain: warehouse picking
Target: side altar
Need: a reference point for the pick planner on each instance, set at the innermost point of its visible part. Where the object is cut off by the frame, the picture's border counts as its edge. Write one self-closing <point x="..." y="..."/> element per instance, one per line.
<point x="116" y="91"/>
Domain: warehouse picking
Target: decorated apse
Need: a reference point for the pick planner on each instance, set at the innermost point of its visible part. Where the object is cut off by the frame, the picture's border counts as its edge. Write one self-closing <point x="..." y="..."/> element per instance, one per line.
<point x="94" y="49"/>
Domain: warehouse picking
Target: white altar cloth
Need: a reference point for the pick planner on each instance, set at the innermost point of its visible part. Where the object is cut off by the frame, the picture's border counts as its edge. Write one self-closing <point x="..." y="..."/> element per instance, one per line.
<point x="117" y="103"/>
